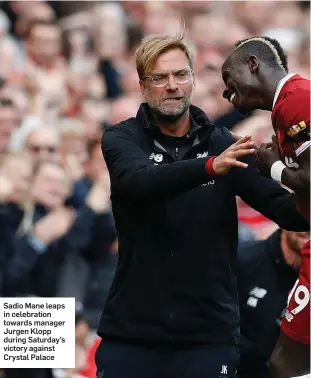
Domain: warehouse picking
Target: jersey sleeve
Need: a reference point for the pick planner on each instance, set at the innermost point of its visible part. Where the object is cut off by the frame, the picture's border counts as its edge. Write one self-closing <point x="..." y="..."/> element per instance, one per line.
<point x="295" y="115"/>
<point x="296" y="321"/>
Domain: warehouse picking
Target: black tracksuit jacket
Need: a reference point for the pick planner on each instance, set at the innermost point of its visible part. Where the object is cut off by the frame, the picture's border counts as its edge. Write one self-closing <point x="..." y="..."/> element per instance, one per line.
<point x="175" y="280"/>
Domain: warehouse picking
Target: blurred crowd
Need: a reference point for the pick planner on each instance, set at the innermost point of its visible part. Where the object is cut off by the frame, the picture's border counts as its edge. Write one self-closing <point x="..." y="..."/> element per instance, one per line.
<point x="67" y="72"/>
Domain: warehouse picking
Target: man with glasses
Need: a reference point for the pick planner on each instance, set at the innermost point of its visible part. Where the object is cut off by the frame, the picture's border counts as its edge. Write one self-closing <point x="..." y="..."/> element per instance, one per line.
<point x="43" y="143"/>
<point x="172" y="310"/>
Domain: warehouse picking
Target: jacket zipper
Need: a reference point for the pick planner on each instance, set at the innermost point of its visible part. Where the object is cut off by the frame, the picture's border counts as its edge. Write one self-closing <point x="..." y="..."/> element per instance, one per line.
<point x="176" y="152"/>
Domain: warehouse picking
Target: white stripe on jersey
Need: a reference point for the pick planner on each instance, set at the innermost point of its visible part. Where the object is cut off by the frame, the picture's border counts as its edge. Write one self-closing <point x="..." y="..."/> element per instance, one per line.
<point x="303" y="147"/>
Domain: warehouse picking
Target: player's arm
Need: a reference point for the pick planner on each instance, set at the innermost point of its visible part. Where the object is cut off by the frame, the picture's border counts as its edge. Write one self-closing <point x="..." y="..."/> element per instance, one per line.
<point x="289" y="358"/>
<point x="269" y="164"/>
<point x="294" y="114"/>
<point x="298" y="179"/>
<point x="299" y="136"/>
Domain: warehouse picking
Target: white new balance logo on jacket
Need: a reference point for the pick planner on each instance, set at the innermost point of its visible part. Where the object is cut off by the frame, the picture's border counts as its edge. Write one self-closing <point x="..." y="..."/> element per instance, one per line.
<point x="203" y="155"/>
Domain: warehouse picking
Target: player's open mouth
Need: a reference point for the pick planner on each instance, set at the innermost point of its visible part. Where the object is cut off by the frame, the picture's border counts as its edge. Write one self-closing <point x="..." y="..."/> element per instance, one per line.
<point x="232" y="97"/>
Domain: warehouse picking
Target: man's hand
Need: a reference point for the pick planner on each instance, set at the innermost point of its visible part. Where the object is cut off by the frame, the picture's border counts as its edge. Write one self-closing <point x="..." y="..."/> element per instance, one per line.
<point x="228" y="159"/>
<point x="54" y="225"/>
<point x="73" y="167"/>
<point x="98" y="198"/>
<point x="267" y="154"/>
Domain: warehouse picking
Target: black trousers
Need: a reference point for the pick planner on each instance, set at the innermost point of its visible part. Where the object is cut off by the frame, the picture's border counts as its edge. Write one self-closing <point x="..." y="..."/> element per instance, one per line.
<point x="253" y="366"/>
<point x="121" y="360"/>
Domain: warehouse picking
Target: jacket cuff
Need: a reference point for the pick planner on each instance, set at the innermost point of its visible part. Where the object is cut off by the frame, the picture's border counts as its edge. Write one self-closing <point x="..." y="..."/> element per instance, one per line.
<point x="209" y="166"/>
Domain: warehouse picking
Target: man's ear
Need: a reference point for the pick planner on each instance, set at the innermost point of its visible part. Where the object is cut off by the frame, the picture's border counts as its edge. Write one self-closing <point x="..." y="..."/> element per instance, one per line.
<point x="253" y="63"/>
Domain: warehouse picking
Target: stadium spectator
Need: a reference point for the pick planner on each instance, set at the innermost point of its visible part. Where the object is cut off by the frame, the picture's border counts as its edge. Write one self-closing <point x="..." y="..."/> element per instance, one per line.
<point x="47" y="232"/>
<point x="19" y="99"/>
<point x="43" y="143"/>
<point x="7" y="123"/>
<point x="73" y="145"/>
<point x="16" y="172"/>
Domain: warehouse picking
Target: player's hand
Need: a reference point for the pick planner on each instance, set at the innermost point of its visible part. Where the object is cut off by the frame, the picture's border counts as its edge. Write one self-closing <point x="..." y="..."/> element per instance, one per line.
<point x="267" y="154"/>
<point x="229" y="158"/>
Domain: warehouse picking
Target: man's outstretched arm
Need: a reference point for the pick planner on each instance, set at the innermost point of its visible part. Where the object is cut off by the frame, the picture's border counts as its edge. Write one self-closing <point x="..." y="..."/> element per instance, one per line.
<point x="133" y="174"/>
<point x="299" y="179"/>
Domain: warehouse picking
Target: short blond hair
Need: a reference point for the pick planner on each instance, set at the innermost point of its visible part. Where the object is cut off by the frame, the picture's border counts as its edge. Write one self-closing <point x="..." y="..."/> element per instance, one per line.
<point x="153" y="46"/>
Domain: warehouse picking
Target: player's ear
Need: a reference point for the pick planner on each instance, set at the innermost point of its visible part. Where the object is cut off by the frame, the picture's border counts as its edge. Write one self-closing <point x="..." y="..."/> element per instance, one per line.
<point x="253" y="63"/>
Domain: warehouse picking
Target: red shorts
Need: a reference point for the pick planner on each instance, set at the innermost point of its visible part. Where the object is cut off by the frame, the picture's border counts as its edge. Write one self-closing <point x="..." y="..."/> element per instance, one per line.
<point x="296" y="321"/>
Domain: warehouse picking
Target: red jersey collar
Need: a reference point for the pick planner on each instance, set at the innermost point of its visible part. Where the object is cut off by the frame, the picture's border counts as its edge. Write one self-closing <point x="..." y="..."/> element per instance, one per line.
<point x="280" y="85"/>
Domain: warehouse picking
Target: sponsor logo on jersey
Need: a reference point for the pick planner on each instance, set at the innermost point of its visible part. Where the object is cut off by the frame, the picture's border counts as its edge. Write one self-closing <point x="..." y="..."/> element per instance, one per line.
<point x="288" y="316"/>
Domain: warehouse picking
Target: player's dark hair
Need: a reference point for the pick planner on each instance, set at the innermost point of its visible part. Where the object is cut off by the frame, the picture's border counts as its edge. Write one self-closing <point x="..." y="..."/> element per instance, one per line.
<point x="267" y="49"/>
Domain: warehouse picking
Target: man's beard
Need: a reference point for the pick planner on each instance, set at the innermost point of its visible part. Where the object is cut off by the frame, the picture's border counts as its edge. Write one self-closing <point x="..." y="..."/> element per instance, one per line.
<point x="166" y="114"/>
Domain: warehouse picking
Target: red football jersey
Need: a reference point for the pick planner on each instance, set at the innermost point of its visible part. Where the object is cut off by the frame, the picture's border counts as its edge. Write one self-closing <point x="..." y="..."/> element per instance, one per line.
<point x="296" y="321"/>
<point x="291" y="116"/>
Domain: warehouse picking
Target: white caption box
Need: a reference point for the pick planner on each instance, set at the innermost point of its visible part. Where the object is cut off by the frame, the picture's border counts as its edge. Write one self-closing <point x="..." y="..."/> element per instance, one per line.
<point x="37" y="333"/>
